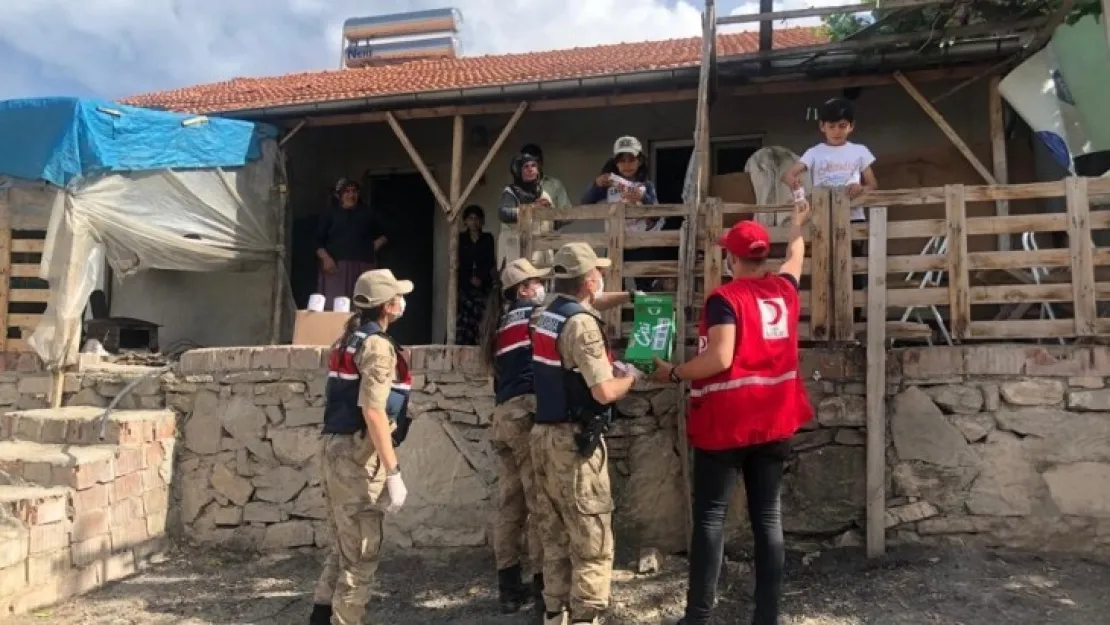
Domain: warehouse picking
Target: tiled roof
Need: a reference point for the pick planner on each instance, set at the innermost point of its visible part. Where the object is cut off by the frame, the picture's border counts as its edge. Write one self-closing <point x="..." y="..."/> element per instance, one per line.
<point x="434" y="75"/>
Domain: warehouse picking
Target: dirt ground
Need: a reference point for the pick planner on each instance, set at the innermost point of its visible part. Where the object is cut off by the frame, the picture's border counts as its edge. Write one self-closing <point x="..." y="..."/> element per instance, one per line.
<point x="910" y="586"/>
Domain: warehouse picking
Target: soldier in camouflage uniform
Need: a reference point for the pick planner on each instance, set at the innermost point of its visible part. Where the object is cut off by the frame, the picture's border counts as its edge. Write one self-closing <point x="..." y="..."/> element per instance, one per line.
<point x="575" y="383"/>
<point x="364" y="419"/>
<point x="507" y="350"/>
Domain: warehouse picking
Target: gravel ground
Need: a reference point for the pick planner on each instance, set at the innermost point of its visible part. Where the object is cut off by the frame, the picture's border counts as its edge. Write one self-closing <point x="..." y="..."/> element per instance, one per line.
<point x="910" y="586"/>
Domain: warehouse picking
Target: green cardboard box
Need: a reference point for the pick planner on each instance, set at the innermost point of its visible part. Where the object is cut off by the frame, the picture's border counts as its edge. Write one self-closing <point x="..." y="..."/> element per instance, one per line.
<point x="653" y="331"/>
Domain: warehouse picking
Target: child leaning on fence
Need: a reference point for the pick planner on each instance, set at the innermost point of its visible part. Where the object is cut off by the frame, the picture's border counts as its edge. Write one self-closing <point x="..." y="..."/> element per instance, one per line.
<point x="837" y="162"/>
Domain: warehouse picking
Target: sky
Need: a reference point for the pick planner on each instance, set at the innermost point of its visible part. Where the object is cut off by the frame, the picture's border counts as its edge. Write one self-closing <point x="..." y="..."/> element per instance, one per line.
<point x="116" y="48"/>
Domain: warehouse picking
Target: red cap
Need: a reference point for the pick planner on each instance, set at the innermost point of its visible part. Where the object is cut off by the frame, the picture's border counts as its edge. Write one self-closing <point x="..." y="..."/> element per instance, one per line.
<point x="748" y="240"/>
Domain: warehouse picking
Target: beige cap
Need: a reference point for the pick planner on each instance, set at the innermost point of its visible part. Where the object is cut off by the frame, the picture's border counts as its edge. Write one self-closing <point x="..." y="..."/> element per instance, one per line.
<point x="628" y="145"/>
<point x="377" y="287"/>
<point x="520" y="270"/>
<point x="577" y="259"/>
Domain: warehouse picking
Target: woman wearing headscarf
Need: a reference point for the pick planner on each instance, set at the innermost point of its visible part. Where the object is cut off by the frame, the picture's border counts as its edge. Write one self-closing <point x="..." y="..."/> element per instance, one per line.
<point x="347" y="241"/>
<point x="526" y="188"/>
<point x="476" y="272"/>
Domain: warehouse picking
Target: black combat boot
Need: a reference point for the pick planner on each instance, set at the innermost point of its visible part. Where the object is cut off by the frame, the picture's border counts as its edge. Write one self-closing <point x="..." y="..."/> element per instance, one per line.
<point x="512" y="592"/>
<point x="537" y="596"/>
<point x="321" y="615"/>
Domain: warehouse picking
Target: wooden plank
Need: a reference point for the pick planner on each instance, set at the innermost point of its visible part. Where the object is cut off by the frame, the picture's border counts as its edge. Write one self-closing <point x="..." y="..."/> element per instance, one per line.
<point x="597" y="212"/>
<point x="526" y="222"/>
<point x="985" y="295"/>
<point x="484" y="165"/>
<point x="1029" y="328"/>
<point x="454" y="189"/>
<point x="615" y="248"/>
<point x="29" y="296"/>
<point x="776" y="16"/>
<point x="5" y="270"/>
<point x="998" y="152"/>
<point x="554" y="240"/>
<point x="643" y="240"/>
<point x="24" y="270"/>
<point x="821" y="254"/>
<point x="876" y="384"/>
<point x="945" y="128"/>
<point x="842" y="309"/>
<point x="28" y="246"/>
<point x="419" y="162"/>
<point x="1081" y="247"/>
<point x="651" y="269"/>
<point x="713" y="265"/>
<point x="975" y="193"/>
<point x="21" y="320"/>
<point x="984" y="261"/>
<point x="959" y="282"/>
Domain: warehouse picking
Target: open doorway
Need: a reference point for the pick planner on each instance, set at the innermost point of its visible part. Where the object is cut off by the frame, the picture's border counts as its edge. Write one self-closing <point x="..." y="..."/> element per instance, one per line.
<point x="408" y="212"/>
<point x="670" y="159"/>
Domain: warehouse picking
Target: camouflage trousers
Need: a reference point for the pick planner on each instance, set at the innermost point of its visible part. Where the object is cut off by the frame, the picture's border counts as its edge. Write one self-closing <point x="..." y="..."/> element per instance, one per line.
<point x="574" y="509"/>
<point x="354" y="482"/>
<point x="516" y="497"/>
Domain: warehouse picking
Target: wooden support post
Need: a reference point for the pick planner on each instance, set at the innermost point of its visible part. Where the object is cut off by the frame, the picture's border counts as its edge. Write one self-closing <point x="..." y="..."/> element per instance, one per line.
<point x="1106" y="19"/>
<point x="526" y="223"/>
<point x="843" y="307"/>
<point x="494" y="149"/>
<point x="452" y="229"/>
<point x="876" y="384"/>
<point x="959" y="281"/>
<point x="614" y="227"/>
<point x="280" y="274"/>
<point x="5" y="269"/>
<point x="948" y="131"/>
<point x="713" y="265"/>
<point x="998" y="154"/>
<point x="419" y="162"/>
<point x="820" y="274"/>
<point x="1082" y="262"/>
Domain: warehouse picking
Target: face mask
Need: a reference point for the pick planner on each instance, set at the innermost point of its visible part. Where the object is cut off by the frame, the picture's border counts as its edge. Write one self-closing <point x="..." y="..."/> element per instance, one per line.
<point x="538" y="295"/>
<point x="728" y="265"/>
<point x="400" y="307"/>
<point x="600" y="287"/>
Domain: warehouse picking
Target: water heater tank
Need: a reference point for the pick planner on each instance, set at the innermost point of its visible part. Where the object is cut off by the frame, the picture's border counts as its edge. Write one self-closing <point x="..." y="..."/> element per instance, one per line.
<point x="402" y="24"/>
<point x="367" y="53"/>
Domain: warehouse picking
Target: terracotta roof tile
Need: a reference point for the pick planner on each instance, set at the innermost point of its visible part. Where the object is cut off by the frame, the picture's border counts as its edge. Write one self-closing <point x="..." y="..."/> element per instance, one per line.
<point x="465" y="72"/>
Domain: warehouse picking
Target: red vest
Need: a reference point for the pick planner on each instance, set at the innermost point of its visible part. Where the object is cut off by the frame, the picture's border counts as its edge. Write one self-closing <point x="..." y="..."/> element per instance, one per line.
<point x="761" y="397"/>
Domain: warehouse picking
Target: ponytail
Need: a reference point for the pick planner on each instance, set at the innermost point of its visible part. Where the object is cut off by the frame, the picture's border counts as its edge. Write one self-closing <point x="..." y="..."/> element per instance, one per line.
<point x="361" y="317"/>
<point x="497" y="304"/>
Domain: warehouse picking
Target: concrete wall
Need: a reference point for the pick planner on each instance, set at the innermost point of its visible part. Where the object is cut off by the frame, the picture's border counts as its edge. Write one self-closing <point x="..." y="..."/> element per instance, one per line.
<point x="576" y="144"/>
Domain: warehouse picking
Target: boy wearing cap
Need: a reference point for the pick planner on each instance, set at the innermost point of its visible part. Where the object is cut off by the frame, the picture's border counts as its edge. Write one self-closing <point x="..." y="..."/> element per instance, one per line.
<point x="746" y="400"/>
<point x="507" y="352"/>
<point x="575" y="384"/>
<point x="365" y="416"/>
<point x="624" y="178"/>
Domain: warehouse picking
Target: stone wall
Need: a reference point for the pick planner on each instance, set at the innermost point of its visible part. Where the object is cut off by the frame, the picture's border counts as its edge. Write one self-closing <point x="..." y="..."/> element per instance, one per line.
<point x="248" y="472"/>
<point x="1002" y="446"/>
<point x="992" y="445"/>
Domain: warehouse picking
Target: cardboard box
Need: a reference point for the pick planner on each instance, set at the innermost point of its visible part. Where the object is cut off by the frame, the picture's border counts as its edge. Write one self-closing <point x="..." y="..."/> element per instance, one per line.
<point x="733" y="188"/>
<point x="318" y="328"/>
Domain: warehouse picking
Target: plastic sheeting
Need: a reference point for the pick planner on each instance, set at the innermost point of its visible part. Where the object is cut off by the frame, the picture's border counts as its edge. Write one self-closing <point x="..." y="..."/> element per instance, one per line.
<point x="200" y="220"/>
<point x="61" y="140"/>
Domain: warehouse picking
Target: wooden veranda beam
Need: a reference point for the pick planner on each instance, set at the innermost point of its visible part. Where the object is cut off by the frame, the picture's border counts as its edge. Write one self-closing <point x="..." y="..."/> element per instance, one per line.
<point x="452" y="229"/>
<point x="493" y="150"/>
<point x="419" y="162"/>
<point x="767" y="15"/>
<point x="998" y="153"/>
<point x="783" y="85"/>
<point x="945" y="128"/>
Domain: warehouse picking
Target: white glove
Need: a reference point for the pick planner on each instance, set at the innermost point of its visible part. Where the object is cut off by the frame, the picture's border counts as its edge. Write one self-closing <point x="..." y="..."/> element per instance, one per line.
<point x="395" y="486"/>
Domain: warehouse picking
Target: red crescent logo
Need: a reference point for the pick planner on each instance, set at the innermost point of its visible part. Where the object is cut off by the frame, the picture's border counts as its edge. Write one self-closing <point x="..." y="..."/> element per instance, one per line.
<point x="776" y="310"/>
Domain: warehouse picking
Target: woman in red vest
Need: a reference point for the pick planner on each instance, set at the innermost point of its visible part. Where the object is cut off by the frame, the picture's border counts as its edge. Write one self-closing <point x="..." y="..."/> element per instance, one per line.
<point x="747" y="399"/>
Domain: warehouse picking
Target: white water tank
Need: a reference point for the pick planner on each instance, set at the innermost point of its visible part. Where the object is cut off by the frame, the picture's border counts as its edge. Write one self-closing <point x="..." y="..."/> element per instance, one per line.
<point x="402" y="24"/>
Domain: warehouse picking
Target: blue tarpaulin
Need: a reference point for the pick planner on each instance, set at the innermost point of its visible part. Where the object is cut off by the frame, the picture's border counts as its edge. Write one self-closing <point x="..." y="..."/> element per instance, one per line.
<point x="60" y="140"/>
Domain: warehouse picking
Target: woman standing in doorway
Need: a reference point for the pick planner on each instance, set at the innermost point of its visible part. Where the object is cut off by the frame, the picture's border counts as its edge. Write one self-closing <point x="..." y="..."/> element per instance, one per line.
<point x="347" y="242"/>
<point x="476" y="267"/>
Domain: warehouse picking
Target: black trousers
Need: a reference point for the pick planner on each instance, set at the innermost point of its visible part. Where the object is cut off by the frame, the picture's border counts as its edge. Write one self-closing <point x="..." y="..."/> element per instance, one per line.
<point x="715" y="474"/>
